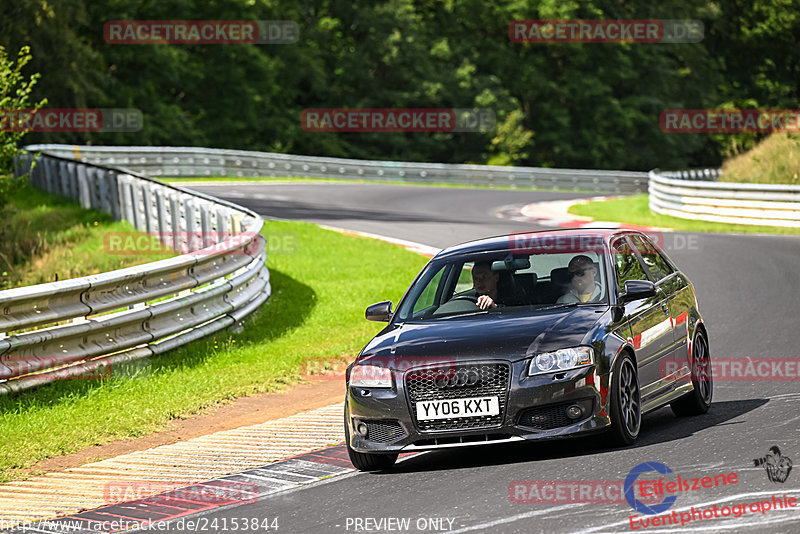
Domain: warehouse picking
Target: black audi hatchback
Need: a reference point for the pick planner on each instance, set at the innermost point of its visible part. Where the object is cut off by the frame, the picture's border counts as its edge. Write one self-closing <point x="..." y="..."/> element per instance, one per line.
<point x="526" y="337"/>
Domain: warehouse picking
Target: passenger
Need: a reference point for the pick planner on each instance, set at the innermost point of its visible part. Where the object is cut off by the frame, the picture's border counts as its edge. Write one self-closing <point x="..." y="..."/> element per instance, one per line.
<point x="583" y="284"/>
<point x="484" y="282"/>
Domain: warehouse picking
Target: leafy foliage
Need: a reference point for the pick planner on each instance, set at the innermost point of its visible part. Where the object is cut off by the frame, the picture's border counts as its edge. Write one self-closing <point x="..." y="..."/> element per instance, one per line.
<point x="564" y="105"/>
<point x="14" y="95"/>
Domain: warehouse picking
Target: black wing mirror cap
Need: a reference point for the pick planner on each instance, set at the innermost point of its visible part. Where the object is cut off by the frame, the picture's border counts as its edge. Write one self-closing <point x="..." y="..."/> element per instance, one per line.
<point x="637" y="289"/>
<point x="381" y="311"/>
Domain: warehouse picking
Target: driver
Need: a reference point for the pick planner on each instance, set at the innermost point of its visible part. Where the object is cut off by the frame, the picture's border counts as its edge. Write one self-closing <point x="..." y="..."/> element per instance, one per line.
<point x="484" y="282"/>
<point x="583" y="286"/>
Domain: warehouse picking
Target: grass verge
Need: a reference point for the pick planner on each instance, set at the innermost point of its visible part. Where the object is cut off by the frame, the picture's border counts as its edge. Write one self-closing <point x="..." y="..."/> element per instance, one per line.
<point x="636" y="210"/>
<point x="44" y="238"/>
<point x="775" y="160"/>
<point x="320" y="288"/>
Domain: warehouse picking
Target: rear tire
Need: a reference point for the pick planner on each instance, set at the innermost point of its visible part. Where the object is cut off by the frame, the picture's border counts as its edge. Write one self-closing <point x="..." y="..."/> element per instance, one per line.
<point x="626" y="406"/>
<point x="366" y="461"/>
<point x="697" y="401"/>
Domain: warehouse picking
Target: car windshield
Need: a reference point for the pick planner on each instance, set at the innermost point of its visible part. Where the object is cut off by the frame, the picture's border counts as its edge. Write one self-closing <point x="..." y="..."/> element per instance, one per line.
<point x="512" y="280"/>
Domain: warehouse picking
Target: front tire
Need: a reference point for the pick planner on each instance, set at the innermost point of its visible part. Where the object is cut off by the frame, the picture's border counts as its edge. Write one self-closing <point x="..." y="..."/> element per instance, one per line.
<point x="697" y="401"/>
<point x="626" y="406"/>
<point x="366" y="461"/>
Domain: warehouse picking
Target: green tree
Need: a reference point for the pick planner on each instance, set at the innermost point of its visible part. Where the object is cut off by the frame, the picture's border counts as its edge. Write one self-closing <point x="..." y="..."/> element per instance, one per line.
<point x="15" y="91"/>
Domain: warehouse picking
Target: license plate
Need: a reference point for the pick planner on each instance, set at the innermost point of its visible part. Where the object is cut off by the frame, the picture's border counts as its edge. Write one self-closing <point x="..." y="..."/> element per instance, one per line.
<point x="449" y="408"/>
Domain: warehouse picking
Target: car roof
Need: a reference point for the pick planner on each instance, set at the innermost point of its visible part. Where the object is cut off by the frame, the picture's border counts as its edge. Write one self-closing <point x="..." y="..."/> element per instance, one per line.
<point x="502" y="242"/>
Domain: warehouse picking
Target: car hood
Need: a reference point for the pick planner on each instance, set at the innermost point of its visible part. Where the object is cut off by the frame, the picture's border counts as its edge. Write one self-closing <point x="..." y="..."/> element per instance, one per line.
<point x="509" y="336"/>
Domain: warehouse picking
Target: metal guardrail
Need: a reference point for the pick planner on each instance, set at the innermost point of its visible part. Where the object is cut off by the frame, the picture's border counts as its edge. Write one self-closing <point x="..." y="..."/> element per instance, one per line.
<point x="726" y="202"/>
<point x="188" y="161"/>
<point x="67" y="329"/>
<point x="708" y="175"/>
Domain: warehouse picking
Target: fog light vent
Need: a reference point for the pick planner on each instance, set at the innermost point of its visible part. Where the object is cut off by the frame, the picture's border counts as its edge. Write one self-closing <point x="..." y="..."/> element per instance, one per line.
<point x="574" y="412"/>
<point x="360" y="428"/>
<point x="556" y="415"/>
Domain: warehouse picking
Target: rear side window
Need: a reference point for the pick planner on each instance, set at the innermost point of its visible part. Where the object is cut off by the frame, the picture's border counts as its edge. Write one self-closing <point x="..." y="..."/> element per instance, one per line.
<point x="653" y="260"/>
<point x="626" y="264"/>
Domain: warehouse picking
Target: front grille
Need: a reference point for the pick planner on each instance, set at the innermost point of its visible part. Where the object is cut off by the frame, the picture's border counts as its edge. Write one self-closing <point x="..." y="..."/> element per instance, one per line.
<point x="492" y="380"/>
<point x="553" y="416"/>
<point x="384" y="431"/>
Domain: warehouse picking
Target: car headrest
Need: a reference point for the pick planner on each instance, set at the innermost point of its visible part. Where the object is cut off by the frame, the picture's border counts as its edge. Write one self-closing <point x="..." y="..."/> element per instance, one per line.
<point x="527" y="278"/>
<point x="560" y="276"/>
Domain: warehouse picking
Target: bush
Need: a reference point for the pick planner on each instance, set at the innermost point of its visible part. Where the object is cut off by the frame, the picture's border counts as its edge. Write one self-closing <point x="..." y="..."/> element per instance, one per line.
<point x="14" y="95"/>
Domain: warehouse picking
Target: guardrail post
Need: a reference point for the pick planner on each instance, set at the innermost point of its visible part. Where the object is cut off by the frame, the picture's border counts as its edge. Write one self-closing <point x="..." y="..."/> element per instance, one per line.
<point x="205" y="225"/>
<point x="114" y="200"/>
<point x="66" y="179"/>
<point x="223" y="223"/>
<point x="191" y="225"/>
<point x="83" y="186"/>
<point x="161" y="210"/>
<point x="74" y="186"/>
<point x="237" y="224"/>
<point x="47" y="170"/>
<point x="72" y="182"/>
<point x="175" y="218"/>
<point x="63" y="187"/>
<point x="104" y="190"/>
<point x="147" y="200"/>
<point x="54" y="177"/>
<point x="136" y="201"/>
<point x="127" y="201"/>
<point x="94" y="187"/>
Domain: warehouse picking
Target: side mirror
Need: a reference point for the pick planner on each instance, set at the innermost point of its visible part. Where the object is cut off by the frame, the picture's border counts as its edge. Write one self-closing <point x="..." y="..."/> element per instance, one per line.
<point x="637" y="289"/>
<point x="382" y="311"/>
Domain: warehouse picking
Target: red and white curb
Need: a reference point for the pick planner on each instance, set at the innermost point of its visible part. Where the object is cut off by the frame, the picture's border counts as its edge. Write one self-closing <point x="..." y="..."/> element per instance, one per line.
<point x="555" y="213"/>
<point x="180" y="505"/>
<point x="171" y="466"/>
<point x="190" y="500"/>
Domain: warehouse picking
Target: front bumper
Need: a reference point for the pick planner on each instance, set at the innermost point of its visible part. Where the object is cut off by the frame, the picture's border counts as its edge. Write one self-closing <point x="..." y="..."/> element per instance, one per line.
<point x="534" y="409"/>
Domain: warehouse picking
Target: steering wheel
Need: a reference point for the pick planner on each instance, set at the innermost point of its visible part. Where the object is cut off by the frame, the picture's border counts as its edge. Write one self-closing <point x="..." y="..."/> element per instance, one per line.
<point x="459" y="304"/>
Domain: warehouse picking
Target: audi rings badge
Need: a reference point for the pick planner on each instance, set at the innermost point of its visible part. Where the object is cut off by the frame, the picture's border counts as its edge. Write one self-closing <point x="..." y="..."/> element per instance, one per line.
<point x="455" y="379"/>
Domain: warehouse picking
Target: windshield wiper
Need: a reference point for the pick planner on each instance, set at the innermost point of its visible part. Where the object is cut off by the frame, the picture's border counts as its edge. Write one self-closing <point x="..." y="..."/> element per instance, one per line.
<point x="557" y="306"/>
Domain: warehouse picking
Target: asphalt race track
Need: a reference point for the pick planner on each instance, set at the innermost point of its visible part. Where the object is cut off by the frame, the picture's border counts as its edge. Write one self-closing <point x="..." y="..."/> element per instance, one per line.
<point x="747" y="287"/>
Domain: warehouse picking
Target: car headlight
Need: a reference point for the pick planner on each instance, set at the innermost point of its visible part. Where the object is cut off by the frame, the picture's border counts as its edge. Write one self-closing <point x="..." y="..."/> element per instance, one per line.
<point x="561" y="360"/>
<point x="370" y="376"/>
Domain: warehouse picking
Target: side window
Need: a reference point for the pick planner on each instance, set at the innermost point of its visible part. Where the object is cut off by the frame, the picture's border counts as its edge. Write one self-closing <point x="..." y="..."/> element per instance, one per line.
<point x="428" y="296"/>
<point x="464" y="278"/>
<point x="653" y="261"/>
<point x="626" y="264"/>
